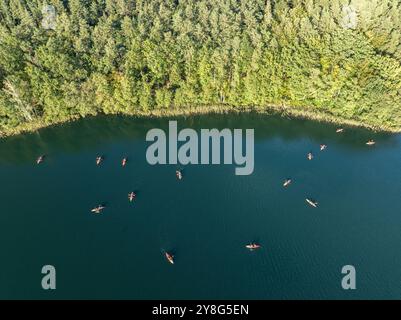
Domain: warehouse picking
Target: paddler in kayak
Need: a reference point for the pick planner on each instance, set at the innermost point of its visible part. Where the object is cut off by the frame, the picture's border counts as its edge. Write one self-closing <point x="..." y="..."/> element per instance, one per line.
<point x="178" y="174"/>
<point x="97" y="209"/>
<point x="370" y="142"/>
<point x="252" y="246"/>
<point x="311" y="203"/>
<point x="131" y="196"/>
<point x="323" y="147"/>
<point x="124" y="162"/>
<point x="169" y="257"/>
<point x="287" y="182"/>
<point x="99" y="160"/>
<point x="339" y="130"/>
<point x="40" y="159"/>
<point x="310" y="156"/>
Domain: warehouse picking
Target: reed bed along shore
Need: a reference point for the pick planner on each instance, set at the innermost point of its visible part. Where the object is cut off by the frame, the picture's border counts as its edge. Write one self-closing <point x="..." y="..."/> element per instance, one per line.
<point x="285" y="111"/>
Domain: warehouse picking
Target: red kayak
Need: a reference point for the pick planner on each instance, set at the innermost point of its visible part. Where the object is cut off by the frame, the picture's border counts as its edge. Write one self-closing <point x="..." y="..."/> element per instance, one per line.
<point x="124" y="162"/>
<point x="253" y="246"/>
<point x="169" y="257"/>
<point x="97" y="209"/>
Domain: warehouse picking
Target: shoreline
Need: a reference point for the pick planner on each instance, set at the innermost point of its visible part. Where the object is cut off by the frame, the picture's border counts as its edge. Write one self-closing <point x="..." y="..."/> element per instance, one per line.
<point x="284" y="111"/>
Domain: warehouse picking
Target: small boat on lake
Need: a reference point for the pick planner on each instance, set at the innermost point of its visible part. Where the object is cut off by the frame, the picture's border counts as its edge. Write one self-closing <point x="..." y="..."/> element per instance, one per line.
<point x="98" y="209"/>
<point x="370" y="142"/>
<point x="323" y="147"/>
<point x="253" y="246"/>
<point x="40" y="159"/>
<point x="311" y="202"/>
<point x="131" y="196"/>
<point x="287" y="182"/>
<point x="124" y="162"/>
<point x="99" y="160"/>
<point x="169" y="257"/>
<point x="310" y="156"/>
<point x="339" y="130"/>
<point x="178" y="174"/>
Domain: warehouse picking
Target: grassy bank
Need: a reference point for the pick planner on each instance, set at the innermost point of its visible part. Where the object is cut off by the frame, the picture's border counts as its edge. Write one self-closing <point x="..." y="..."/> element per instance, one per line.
<point x="284" y="111"/>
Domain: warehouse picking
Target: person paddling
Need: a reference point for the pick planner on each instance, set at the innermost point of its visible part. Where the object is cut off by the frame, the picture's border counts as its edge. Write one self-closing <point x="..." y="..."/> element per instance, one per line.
<point x="124" y="162"/>
<point x="131" y="196"/>
<point x="40" y="159"/>
<point x="287" y="182"/>
<point x="178" y="174"/>
<point x="99" y="160"/>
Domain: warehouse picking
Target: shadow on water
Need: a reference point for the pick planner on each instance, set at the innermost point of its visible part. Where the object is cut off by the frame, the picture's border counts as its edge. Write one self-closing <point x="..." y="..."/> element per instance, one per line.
<point x="95" y="131"/>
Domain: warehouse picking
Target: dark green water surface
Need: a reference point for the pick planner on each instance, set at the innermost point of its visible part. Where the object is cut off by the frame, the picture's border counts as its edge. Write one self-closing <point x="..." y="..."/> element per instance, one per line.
<point x="206" y="219"/>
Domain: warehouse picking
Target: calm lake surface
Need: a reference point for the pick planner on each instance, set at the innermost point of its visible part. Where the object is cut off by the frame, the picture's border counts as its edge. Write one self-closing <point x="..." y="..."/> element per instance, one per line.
<point x="206" y="219"/>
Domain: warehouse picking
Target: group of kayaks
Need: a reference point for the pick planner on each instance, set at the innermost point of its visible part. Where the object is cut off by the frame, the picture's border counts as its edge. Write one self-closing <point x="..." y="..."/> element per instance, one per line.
<point x="131" y="195"/>
<point x="310" y="156"/>
<point x="311" y="202"/>
<point x="99" y="160"/>
<point x="251" y="246"/>
<point x="370" y="142"/>
<point x="100" y="208"/>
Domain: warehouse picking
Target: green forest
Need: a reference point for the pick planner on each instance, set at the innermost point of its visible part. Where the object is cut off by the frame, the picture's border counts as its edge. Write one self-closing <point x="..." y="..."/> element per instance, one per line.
<point x="66" y="59"/>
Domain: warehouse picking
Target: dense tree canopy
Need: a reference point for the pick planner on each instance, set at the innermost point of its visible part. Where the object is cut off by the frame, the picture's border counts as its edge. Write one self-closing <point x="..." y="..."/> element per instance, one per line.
<point x="61" y="59"/>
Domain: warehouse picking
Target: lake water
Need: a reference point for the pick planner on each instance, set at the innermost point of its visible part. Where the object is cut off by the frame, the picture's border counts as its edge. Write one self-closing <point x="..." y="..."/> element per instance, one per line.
<point x="206" y="219"/>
